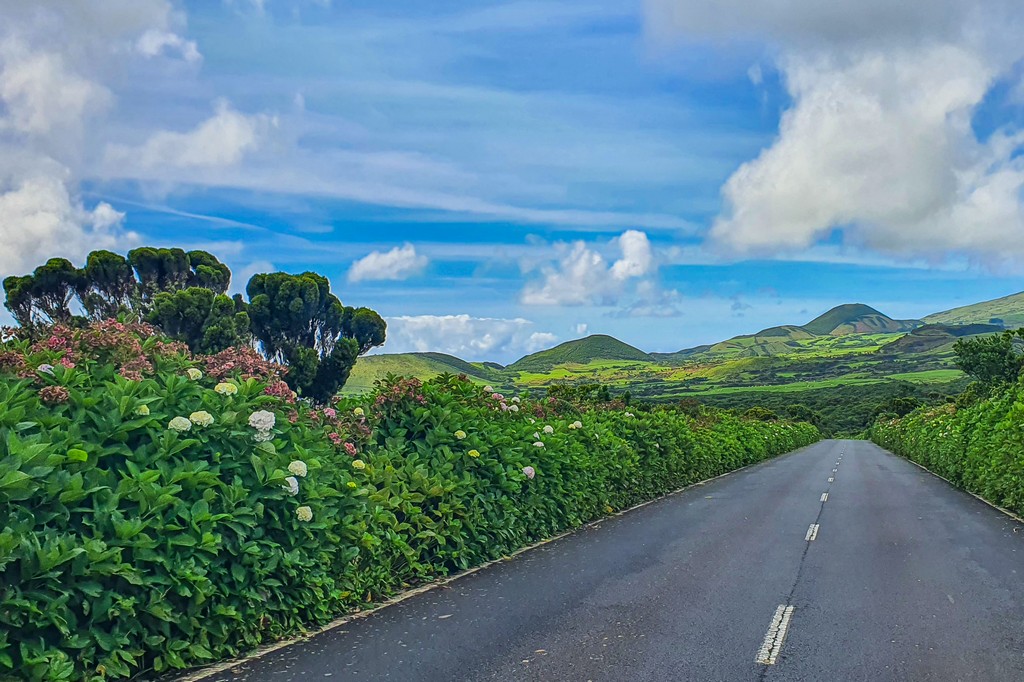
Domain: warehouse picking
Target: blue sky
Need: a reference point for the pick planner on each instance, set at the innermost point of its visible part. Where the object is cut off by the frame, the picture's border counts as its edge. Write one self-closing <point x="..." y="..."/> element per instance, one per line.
<point x="495" y="177"/>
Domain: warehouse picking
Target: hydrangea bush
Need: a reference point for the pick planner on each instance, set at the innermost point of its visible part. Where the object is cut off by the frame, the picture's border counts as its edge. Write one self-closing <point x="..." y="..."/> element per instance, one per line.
<point x="978" y="447"/>
<point x="162" y="511"/>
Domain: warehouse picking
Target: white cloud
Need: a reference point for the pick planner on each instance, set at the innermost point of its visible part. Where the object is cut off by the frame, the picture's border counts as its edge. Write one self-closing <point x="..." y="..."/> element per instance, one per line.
<point x="401" y="262"/>
<point x="219" y="141"/>
<point x="41" y="220"/>
<point x="581" y="329"/>
<point x="55" y="57"/>
<point x="40" y="93"/>
<point x="637" y="258"/>
<point x="582" y="275"/>
<point x="470" y="338"/>
<point x="154" y="42"/>
<point x="879" y="140"/>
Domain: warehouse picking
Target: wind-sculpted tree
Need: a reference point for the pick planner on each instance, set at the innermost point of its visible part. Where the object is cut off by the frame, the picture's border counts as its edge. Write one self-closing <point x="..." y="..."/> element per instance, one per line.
<point x="163" y="270"/>
<point x="206" y="321"/>
<point x="991" y="359"/>
<point x="111" y="285"/>
<point x="298" y="321"/>
<point x="107" y="285"/>
<point x="44" y="296"/>
<point x="295" y="318"/>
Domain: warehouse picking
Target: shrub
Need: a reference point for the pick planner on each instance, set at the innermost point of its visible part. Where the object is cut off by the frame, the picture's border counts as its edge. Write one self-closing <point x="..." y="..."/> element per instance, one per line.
<point x="976" y="444"/>
<point x="189" y="509"/>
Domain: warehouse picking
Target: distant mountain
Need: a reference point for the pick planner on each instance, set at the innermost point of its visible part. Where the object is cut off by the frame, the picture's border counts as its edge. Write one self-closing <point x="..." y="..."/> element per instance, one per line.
<point x="370" y="368"/>
<point x="932" y="337"/>
<point x="1007" y="311"/>
<point x="770" y="341"/>
<point x="852" y="344"/>
<point x="580" y="351"/>
<point x="857" y="318"/>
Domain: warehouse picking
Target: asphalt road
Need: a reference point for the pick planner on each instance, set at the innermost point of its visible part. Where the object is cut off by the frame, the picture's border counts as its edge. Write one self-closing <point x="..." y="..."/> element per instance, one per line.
<point x="905" y="578"/>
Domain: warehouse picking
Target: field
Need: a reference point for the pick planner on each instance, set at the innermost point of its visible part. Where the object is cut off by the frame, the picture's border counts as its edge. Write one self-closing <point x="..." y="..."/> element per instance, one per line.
<point x="781" y="367"/>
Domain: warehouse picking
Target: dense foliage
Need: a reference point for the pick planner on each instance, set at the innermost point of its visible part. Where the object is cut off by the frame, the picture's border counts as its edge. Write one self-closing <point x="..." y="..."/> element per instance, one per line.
<point x="161" y="509"/>
<point x="976" y="443"/>
<point x="298" y="321"/>
<point x="842" y="410"/>
<point x="293" y="319"/>
<point x="992" y="360"/>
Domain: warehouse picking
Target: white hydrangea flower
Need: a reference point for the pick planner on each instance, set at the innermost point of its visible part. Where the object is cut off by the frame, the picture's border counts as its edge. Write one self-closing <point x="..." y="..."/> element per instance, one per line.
<point x="291" y="486"/>
<point x="201" y="418"/>
<point x="262" y="420"/>
<point x="538" y="444"/>
<point x="358" y="412"/>
<point x="304" y="514"/>
<point x="180" y="424"/>
<point x="224" y="388"/>
<point x="576" y="425"/>
<point x="515" y="399"/>
<point x="488" y="389"/>
<point x="299" y="468"/>
<point x="263" y="436"/>
<point x="513" y="408"/>
<point x="194" y="374"/>
<point x="549" y="430"/>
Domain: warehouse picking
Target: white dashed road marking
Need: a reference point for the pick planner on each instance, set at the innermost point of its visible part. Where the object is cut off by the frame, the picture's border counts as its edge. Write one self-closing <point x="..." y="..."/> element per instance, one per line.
<point x="769" y="651"/>
<point x="824" y="497"/>
<point x="812" y="533"/>
<point x="831" y="480"/>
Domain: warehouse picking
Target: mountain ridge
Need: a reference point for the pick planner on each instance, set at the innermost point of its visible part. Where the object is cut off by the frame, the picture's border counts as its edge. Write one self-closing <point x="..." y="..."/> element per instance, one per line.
<point x="854" y="343"/>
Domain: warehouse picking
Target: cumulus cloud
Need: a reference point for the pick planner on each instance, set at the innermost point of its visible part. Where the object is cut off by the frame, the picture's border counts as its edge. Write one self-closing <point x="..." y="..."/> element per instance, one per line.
<point x="878" y="141"/>
<point x="470" y="338"/>
<point x="219" y="141"/>
<point x="41" y="220"/>
<point x="40" y="93"/>
<point x="583" y="276"/>
<point x="54" y="59"/>
<point x="401" y="262"/>
<point x="154" y="43"/>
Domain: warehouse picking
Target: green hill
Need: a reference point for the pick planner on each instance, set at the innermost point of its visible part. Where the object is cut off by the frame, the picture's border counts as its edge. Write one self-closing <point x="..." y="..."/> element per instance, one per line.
<point x="857" y="318"/>
<point x="771" y="341"/>
<point x="423" y="366"/>
<point x="933" y="337"/>
<point x="580" y="351"/>
<point x="1007" y="311"/>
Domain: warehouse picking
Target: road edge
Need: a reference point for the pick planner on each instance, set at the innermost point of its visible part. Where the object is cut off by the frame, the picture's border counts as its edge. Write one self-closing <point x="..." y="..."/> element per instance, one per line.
<point x="956" y="487"/>
<point x="205" y="672"/>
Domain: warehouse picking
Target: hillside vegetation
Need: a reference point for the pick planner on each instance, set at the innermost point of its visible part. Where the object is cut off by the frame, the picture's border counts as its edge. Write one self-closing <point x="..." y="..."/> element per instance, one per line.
<point x="1007" y="311"/>
<point x="580" y="351"/>
<point x="856" y="318"/>
<point x="196" y="509"/>
<point x="853" y="351"/>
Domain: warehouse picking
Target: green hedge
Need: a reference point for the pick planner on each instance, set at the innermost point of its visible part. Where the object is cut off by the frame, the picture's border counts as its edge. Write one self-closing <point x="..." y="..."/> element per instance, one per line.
<point x="159" y="522"/>
<point x="979" y="448"/>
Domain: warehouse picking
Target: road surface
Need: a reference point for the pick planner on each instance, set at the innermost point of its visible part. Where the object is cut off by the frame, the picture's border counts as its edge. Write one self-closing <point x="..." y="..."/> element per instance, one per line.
<point x="895" y="576"/>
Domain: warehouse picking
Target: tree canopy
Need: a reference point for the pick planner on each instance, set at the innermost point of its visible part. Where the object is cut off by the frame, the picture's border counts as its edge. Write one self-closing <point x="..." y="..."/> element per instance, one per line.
<point x="991" y="359"/>
<point x="298" y="321"/>
<point x="292" y="319"/>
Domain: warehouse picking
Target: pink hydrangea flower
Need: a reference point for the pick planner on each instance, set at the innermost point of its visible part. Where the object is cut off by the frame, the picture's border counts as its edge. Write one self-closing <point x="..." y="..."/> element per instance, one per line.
<point x="330" y="412"/>
<point x="350" y="449"/>
<point x="334" y="438"/>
